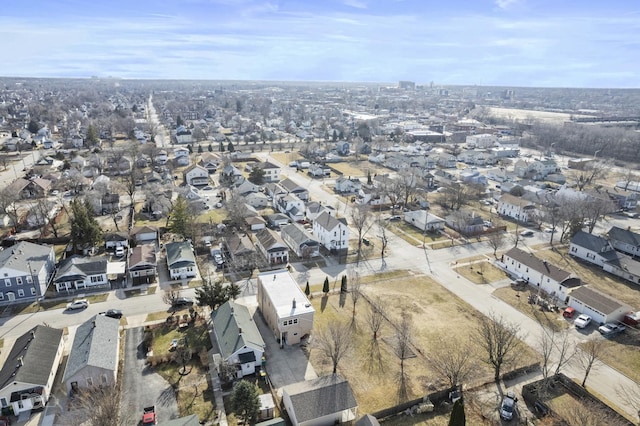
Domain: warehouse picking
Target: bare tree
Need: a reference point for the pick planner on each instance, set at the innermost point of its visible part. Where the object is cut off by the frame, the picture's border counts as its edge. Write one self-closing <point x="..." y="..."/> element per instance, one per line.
<point x="500" y="340"/>
<point x="588" y="357"/>
<point x="46" y="212"/>
<point x="375" y="317"/>
<point x="630" y="395"/>
<point x="170" y="296"/>
<point x="360" y="216"/>
<point x="496" y="241"/>
<point x="451" y="360"/>
<point x="354" y="293"/>
<point x="384" y="238"/>
<point x="591" y="173"/>
<point x="9" y="205"/>
<point x="100" y="406"/>
<point x="334" y="342"/>
<point x="404" y="332"/>
<point x="585" y="413"/>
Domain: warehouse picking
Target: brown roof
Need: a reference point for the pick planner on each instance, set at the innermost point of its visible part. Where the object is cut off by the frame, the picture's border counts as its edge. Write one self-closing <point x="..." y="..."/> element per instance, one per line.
<point x="143" y="254"/>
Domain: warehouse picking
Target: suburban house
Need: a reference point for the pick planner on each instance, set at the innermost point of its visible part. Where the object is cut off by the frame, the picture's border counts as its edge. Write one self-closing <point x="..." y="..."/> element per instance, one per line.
<point x="539" y="273"/>
<point x="348" y="185"/>
<point x="255" y="223"/>
<point x="94" y="356"/>
<point x="624" y="266"/>
<point x="181" y="260"/>
<point x="277" y="220"/>
<point x="26" y="189"/>
<point x="424" y="220"/>
<point x="272" y="247"/>
<point x="210" y="162"/>
<point x="183" y="135"/>
<point x="516" y="208"/>
<point x="325" y="401"/>
<point x="79" y="273"/>
<point x="245" y="186"/>
<point x="623" y="200"/>
<point x="195" y="175"/>
<point x="241" y="250"/>
<point x="300" y="241"/>
<point x="313" y="209"/>
<point x="109" y="203"/>
<point x="25" y="271"/>
<point x="230" y="173"/>
<point x="624" y="240"/>
<point x="591" y="248"/>
<point x="143" y="263"/>
<point x="600" y="307"/>
<point x="271" y="171"/>
<point x="292" y="206"/>
<point x="115" y="239"/>
<point x="181" y="157"/>
<point x="465" y="222"/>
<point x="144" y="234"/>
<point x="238" y="337"/>
<point x="257" y="200"/>
<point x="284" y="306"/>
<point x="331" y="232"/>
<point x="290" y="187"/>
<point x="29" y="371"/>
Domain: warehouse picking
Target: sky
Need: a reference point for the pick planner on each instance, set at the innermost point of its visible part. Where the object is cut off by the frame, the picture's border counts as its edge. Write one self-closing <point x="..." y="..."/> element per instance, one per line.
<point x="535" y="43"/>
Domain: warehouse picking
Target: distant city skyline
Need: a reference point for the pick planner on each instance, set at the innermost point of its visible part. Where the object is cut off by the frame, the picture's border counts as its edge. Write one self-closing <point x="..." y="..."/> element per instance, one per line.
<point x="535" y="43"/>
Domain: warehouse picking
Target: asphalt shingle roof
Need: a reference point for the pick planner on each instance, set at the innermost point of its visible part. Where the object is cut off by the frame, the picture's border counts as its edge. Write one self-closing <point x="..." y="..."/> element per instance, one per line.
<point x="180" y="254"/>
<point x="25" y="254"/>
<point x="78" y="266"/>
<point x="598" y="301"/>
<point x="38" y="348"/>
<point x="235" y="328"/>
<point x="329" y="222"/>
<point x="542" y="266"/>
<point x="319" y="397"/>
<point x="591" y="242"/>
<point x="624" y="235"/>
<point x="95" y="344"/>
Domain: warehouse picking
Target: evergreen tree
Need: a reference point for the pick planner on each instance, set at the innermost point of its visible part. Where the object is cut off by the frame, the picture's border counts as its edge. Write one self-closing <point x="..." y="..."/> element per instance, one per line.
<point x="325" y="286"/>
<point x="221" y="147"/>
<point x="179" y="121"/>
<point x="210" y="149"/>
<point x="256" y="176"/>
<point x="199" y="149"/>
<point x="369" y="177"/>
<point x="179" y="220"/>
<point x="343" y="284"/>
<point x="230" y="147"/>
<point x="190" y="148"/>
<point x="458" y="417"/>
<point x="245" y="402"/>
<point x="92" y="136"/>
<point x="33" y="126"/>
<point x="307" y="290"/>
<point x="233" y="290"/>
<point x="212" y="295"/>
<point x="85" y="230"/>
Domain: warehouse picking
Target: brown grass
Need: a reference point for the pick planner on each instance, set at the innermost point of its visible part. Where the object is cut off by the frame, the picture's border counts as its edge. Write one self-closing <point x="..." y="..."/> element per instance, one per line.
<point x="518" y="298"/>
<point x="481" y="272"/>
<point x="433" y="309"/>
<point x="358" y="168"/>
<point x="622" y="352"/>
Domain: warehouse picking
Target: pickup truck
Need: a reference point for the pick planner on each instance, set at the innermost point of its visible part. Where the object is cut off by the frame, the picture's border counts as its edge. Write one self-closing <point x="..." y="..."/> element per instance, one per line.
<point x="149" y="416"/>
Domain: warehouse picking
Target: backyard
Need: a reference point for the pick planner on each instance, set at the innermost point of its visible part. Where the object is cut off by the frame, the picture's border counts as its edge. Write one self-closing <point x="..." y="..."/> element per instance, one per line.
<point x="380" y="387"/>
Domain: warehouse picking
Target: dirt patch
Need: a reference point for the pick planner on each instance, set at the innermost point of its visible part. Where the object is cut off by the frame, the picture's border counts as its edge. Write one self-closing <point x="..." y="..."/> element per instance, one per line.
<point x="373" y="369"/>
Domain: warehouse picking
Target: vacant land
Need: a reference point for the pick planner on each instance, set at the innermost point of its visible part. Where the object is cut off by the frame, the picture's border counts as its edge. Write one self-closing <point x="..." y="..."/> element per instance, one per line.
<point x="372" y="367"/>
<point x="359" y="169"/>
<point x="622" y="352"/>
<point x="481" y="272"/>
<point x="530" y="115"/>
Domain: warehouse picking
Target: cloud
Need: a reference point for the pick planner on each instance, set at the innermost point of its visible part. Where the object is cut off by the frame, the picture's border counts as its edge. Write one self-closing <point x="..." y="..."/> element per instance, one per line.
<point x="358" y="4"/>
<point x="505" y="4"/>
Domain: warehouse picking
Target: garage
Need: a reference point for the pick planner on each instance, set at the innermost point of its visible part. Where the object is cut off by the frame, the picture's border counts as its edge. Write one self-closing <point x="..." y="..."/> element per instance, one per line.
<point x="600" y="307"/>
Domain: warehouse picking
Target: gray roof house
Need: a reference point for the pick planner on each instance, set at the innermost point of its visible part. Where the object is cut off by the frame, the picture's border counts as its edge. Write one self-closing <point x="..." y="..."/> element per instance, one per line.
<point x="624" y="266"/>
<point x="25" y="269"/>
<point x="600" y="307"/>
<point x="181" y="260"/>
<point x="238" y="338"/>
<point x="324" y="401"/>
<point x="272" y="247"/>
<point x="29" y="371"/>
<point x="591" y="248"/>
<point x="624" y="240"/>
<point x="300" y="241"/>
<point x="94" y="356"/>
<point x="77" y="273"/>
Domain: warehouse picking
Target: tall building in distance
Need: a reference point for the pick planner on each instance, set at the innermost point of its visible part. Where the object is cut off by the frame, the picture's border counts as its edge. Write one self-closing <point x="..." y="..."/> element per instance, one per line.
<point x="407" y="85"/>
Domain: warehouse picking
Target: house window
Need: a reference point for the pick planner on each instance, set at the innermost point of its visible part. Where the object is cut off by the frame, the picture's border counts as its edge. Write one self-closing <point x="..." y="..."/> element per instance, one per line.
<point x="104" y="379"/>
<point x="21" y="293"/>
<point x="7" y="282"/>
<point x="29" y="279"/>
<point x="1" y="296"/>
<point x="335" y="234"/>
<point x="3" y="402"/>
<point x="284" y="323"/>
<point x="33" y="291"/>
<point x="295" y="321"/>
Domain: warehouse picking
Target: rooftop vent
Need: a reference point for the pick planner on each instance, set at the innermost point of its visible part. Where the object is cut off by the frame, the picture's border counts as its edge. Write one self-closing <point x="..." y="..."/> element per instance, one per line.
<point x="293" y="304"/>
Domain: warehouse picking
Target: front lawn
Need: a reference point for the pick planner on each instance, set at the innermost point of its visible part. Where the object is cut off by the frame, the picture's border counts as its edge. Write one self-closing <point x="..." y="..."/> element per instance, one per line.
<point x="196" y="336"/>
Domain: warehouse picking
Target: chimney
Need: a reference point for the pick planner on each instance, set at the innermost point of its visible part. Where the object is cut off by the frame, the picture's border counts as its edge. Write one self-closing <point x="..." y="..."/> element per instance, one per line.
<point x="293" y="305"/>
<point x="33" y="334"/>
<point x="239" y="330"/>
<point x="20" y="361"/>
<point x="94" y="323"/>
<point x="274" y="277"/>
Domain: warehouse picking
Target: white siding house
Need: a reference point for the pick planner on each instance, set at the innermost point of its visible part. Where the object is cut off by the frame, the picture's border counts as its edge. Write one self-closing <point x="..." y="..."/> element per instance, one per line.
<point x="600" y="307"/>
<point x="591" y="248"/>
<point x="181" y="260"/>
<point x="331" y="232"/>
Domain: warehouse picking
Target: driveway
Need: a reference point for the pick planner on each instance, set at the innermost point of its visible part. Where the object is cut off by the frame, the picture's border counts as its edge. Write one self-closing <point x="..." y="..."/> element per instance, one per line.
<point x="142" y="386"/>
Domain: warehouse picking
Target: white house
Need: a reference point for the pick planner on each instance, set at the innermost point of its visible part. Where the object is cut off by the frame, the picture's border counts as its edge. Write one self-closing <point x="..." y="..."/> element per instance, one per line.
<point x="624" y="240"/>
<point x="423" y="220"/>
<point x="94" y="356"/>
<point x="600" y="307"/>
<point x="325" y="401"/>
<point x="624" y="266"/>
<point x="331" y="232"/>
<point x="591" y="248"/>
<point x="25" y="271"/>
<point x="516" y="208"/>
<point x="77" y="273"/>
<point x="195" y="175"/>
<point x="284" y="306"/>
<point x="349" y="185"/>
<point x="300" y="241"/>
<point x="290" y="205"/>
<point x="540" y="274"/>
<point x="27" y="377"/>
<point x="183" y="135"/>
<point x="181" y="260"/>
<point x="271" y="172"/>
<point x="238" y="338"/>
<point x="115" y="239"/>
<point x="272" y="247"/>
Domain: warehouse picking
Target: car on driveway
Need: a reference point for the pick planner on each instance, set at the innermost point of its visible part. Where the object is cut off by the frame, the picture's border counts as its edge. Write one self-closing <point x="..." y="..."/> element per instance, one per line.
<point x="217" y="257"/>
<point x="508" y="406"/>
<point x="610" y="329"/>
<point x="77" y="305"/>
<point x="119" y="251"/>
<point x="582" y="321"/>
<point x="395" y="218"/>
<point x="112" y="313"/>
<point x="527" y="233"/>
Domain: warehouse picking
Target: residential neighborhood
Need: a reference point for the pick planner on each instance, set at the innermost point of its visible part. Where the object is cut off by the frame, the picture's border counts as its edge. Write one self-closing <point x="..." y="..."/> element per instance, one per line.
<point x="177" y="248"/>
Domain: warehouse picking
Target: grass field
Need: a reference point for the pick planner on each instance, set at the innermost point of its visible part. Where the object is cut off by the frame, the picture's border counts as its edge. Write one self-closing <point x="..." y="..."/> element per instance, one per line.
<point x="481" y="272"/>
<point x="432" y="308"/>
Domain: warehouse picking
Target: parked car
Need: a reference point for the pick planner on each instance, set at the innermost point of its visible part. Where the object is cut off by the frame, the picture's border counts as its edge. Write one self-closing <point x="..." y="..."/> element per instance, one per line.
<point x="395" y="218"/>
<point x="4" y="421"/>
<point x="217" y="257"/>
<point x="508" y="406"/>
<point x="119" y="251"/>
<point x="610" y="329"/>
<point x="77" y="304"/>
<point x="182" y="301"/>
<point x="582" y="321"/>
<point x="112" y="313"/>
<point x="527" y="233"/>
